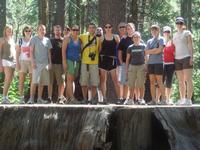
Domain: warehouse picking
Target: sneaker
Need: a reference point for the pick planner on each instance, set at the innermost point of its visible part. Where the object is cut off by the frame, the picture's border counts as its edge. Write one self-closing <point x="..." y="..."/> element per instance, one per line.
<point x="162" y="102"/>
<point x="5" y="101"/>
<point x="129" y="102"/>
<point x="61" y="100"/>
<point x="141" y="102"/>
<point x="187" y="102"/>
<point x="22" y="101"/>
<point x="120" y="101"/>
<point x="84" y="102"/>
<point x="73" y="101"/>
<point x="170" y="102"/>
<point x="93" y="102"/>
<point x="41" y="101"/>
<point x="152" y="103"/>
<point x="30" y="101"/>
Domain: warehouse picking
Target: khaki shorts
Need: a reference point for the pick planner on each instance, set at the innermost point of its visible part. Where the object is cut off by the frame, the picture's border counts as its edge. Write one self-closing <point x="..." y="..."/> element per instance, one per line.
<point x="89" y="75"/>
<point x="136" y="76"/>
<point x="56" y="73"/>
<point x="41" y="75"/>
<point x="25" y="66"/>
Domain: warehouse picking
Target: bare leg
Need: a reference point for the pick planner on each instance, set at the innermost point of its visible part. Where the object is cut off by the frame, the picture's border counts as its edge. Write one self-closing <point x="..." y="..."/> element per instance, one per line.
<point x="182" y="86"/>
<point x="85" y="92"/>
<point x="152" y="79"/>
<point x="70" y="80"/>
<point x="40" y="91"/>
<point x="189" y="83"/>
<point x="159" y="79"/>
<point x="115" y="82"/>
<point x="103" y="79"/>
<point x="8" y="79"/>
<point x="50" y="88"/>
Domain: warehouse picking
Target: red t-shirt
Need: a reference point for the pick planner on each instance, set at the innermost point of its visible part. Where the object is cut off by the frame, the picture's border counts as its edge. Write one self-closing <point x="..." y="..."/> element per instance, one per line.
<point x="169" y="53"/>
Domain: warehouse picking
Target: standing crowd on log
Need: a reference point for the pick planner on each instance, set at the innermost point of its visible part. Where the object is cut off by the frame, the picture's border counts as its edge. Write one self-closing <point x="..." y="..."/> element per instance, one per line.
<point x="84" y="61"/>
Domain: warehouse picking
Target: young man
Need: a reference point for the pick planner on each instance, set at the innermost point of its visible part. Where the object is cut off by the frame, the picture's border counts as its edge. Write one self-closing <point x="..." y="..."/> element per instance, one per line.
<point x="57" y="70"/>
<point x="89" y="64"/>
<point x="40" y="47"/>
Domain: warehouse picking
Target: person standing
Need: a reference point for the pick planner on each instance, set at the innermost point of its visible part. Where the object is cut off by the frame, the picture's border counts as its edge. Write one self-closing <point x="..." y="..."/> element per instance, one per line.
<point x="56" y="70"/>
<point x="108" y="60"/>
<point x="7" y="60"/>
<point x="23" y="61"/>
<point x="89" y="62"/>
<point x="135" y="69"/>
<point x="40" y="47"/>
<point x="71" y="51"/>
<point x="168" y="58"/>
<point x="154" y="51"/>
<point x="183" y="61"/>
<point x="122" y="51"/>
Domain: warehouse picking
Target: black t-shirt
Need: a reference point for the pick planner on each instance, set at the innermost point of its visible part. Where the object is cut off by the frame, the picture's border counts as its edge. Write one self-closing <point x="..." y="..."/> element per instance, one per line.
<point x="56" y="51"/>
<point x="137" y="54"/>
<point x="123" y="45"/>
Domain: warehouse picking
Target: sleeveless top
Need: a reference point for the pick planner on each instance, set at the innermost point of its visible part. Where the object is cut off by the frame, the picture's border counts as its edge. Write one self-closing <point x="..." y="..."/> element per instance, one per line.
<point x="8" y="50"/>
<point x="25" y="49"/>
<point x="109" y="47"/>
<point x="73" y="50"/>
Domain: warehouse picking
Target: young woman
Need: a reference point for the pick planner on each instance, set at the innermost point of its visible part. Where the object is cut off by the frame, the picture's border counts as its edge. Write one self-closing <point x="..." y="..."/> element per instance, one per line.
<point x="183" y="61"/>
<point x="168" y="59"/>
<point x="122" y="49"/>
<point x="135" y="69"/>
<point x="155" y="64"/>
<point x="71" y="49"/>
<point x="108" y="59"/>
<point x="7" y="60"/>
<point x="23" y="61"/>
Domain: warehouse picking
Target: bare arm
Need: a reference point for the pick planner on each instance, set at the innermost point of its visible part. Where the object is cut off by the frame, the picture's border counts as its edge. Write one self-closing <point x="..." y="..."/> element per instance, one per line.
<point x="155" y="50"/>
<point x="190" y="47"/>
<point x="18" y="51"/>
<point x="64" y="50"/>
<point x="1" y="67"/>
<point x="120" y="57"/>
<point x="32" y="49"/>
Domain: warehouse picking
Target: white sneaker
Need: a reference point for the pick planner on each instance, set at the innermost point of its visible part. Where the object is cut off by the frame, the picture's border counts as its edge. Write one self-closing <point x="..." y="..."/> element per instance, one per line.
<point x="5" y="101"/>
<point x="22" y="100"/>
<point x="141" y="102"/>
<point x="129" y="102"/>
<point x="187" y="102"/>
<point x="41" y="101"/>
<point x="180" y="102"/>
<point x="30" y="101"/>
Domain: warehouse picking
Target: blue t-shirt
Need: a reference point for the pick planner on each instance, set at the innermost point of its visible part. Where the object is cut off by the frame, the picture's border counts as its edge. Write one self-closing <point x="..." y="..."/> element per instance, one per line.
<point x="73" y="51"/>
<point x="137" y="54"/>
<point x="155" y="43"/>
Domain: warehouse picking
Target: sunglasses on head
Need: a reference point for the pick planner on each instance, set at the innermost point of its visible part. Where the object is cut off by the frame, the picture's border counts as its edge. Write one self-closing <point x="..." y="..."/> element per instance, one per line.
<point x="108" y="27"/>
<point x="122" y="27"/>
<point x="75" y="29"/>
<point x="179" y="23"/>
<point x="166" y="31"/>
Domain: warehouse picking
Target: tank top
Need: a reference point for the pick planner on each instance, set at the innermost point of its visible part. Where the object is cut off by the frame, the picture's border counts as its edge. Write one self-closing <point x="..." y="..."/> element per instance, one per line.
<point x="169" y="53"/>
<point x="8" y="50"/>
<point x="25" y="50"/>
<point x="108" y="47"/>
<point x="73" y="50"/>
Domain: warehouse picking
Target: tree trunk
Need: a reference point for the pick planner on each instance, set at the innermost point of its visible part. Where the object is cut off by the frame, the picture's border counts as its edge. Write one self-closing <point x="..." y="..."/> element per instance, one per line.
<point x="2" y="16"/>
<point x="43" y="9"/>
<point x="112" y="11"/>
<point x="60" y="13"/>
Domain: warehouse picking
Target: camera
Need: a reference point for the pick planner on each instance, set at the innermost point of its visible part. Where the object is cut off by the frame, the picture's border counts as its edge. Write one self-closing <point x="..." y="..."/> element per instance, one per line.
<point x="92" y="56"/>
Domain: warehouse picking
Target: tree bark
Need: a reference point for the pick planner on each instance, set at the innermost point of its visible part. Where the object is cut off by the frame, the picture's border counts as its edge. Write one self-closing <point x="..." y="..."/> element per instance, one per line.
<point x="2" y="16"/>
<point x="43" y="9"/>
<point x="60" y="13"/>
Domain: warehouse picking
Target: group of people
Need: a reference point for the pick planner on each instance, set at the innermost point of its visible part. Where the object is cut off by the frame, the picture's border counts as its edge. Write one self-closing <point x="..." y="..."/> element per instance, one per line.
<point x="94" y="55"/>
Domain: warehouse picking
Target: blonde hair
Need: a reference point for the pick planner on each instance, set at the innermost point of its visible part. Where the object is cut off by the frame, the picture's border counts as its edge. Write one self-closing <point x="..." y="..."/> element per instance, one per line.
<point x="130" y="24"/>
<point x="40" y="25"/>
<point x="5" y="28"/>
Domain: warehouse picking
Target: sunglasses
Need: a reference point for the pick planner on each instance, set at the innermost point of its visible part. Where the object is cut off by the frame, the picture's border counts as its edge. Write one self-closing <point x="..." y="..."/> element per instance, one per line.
<point x="179" y="23"/>
<point x="27" y="30"/>
<point x="136" y="37"/>
<point x="75" y="29"/>
<point x="108" y="27"/>
<point x="122" y="27"/>
<point x="67" y="29"/>
<point x="167" y="32"/>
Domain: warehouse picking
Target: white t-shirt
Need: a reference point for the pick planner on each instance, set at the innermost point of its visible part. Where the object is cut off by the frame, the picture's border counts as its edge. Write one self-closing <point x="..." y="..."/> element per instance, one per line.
<point x="25" y="50"/>
<point x="181" y="44"/>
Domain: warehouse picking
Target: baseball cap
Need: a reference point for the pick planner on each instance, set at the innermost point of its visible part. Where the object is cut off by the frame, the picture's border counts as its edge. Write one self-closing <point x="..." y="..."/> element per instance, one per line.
<point x="180" y="20"/>
<point x="166" y="28"/>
